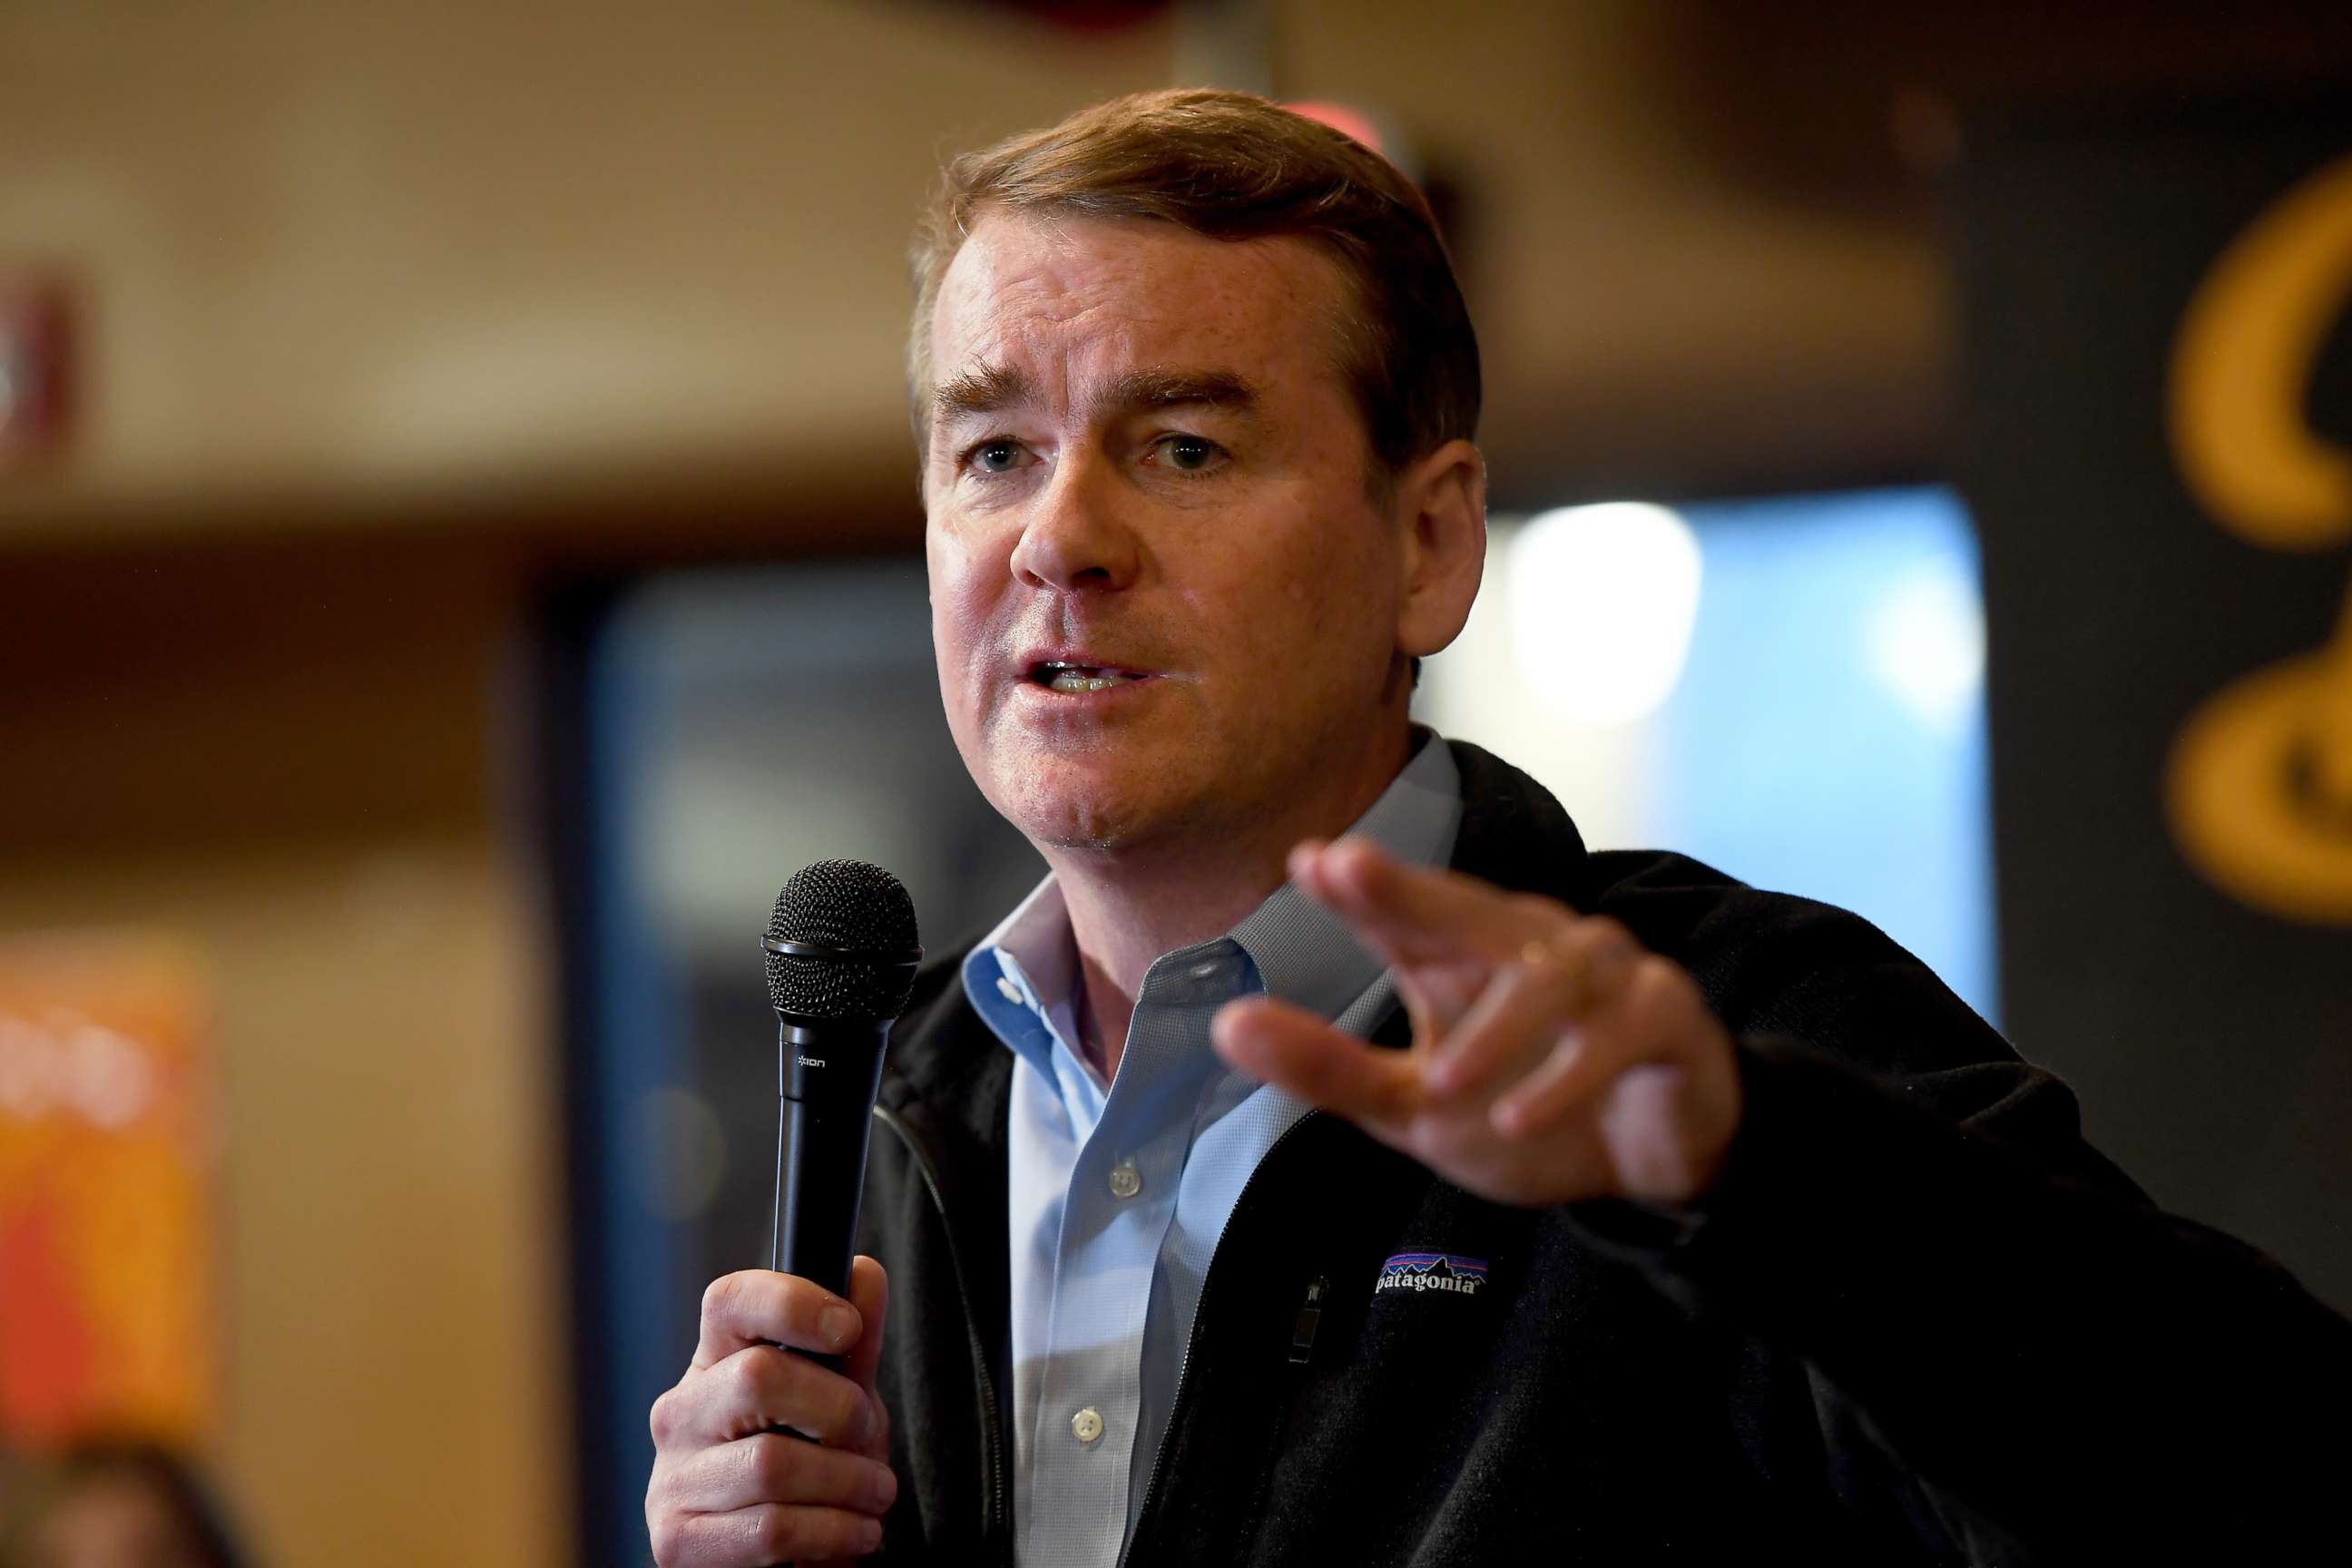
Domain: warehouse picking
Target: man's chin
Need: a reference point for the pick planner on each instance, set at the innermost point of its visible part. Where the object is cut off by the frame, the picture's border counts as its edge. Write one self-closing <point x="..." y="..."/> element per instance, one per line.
<point x="1090" y="824"/>
<point x="1096" y="815"/>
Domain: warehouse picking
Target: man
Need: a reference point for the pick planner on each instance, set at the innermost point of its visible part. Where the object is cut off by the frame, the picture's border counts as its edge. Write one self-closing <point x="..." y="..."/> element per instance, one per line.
<point x="1248" y="1196"/>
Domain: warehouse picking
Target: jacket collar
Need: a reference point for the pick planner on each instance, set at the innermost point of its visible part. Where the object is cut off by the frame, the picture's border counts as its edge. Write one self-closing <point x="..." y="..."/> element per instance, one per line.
<point x="1513" y="834"/>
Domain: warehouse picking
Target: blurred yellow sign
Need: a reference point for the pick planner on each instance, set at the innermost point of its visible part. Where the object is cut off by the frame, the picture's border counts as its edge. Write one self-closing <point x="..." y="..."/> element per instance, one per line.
<point x="2260" y="787"/>
<point x="106" y="1234"/>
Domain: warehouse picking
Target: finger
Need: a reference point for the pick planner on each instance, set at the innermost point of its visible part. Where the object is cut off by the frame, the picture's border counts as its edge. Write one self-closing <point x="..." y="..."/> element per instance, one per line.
<point x="1508" y="1028"/>
<point x="1561" y="1082"/>
<point x="1293" y="1049"/>
<point x="1554" y="983"/>
<point x="768" y="1466"/>
<point x="1434" y="1000"/>
<point x="869" y="1287"/>
<point x="869" y="1291"/>
<point x="1582" y="1063"/>
<point x="762" y="1307"/>
<point x="758" y="1388"/>
<point x="1409" y="914"/>
<point x="767" y="1534"/>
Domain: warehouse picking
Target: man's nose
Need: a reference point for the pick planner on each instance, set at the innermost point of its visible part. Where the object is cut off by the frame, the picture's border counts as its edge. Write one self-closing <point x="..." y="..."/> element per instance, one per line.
<point x="1075" y="537"/>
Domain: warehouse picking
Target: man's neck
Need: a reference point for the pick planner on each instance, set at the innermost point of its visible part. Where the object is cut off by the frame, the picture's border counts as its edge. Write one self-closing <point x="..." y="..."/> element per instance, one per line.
<point x="1129" y="906"/>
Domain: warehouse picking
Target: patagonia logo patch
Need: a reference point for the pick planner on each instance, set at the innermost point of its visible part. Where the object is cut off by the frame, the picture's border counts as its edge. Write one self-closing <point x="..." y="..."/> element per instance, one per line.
<point x="1433" y="1271"/>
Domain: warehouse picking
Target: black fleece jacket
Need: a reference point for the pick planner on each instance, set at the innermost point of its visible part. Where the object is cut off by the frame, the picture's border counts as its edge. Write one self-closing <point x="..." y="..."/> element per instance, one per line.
<point x="1916" y="1319"/>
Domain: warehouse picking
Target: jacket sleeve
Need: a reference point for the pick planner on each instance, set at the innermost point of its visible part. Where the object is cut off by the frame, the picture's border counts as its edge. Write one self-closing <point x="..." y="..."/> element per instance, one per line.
<point x="2066" y="1370"/>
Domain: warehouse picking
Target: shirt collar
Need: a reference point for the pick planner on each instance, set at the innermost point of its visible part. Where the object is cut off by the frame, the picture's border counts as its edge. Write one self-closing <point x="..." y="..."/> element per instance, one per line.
<point x="1022" y="977"/>
<point x="1304" y="952"/>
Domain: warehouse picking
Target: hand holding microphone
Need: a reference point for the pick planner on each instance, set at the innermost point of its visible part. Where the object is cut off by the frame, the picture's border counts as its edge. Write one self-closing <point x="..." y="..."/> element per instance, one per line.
<point x="792" y="1349"/>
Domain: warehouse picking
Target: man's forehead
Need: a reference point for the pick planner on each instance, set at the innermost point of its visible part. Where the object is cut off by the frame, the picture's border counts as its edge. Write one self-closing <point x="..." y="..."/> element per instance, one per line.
<point x="1138" y="288"/>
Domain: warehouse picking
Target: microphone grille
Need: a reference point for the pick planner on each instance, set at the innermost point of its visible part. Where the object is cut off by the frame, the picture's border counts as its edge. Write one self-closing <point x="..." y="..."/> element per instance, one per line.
<point x="854" y="907"/>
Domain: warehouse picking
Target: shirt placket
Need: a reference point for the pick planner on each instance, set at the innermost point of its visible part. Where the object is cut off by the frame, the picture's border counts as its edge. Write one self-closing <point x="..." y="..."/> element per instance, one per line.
<point x="1117" y="1212"/>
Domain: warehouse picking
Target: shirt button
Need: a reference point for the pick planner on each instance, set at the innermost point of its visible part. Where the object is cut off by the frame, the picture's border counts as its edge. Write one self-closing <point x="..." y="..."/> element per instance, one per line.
<point x="1007" y="989"/>
<point x="1204" y="971"/>
<point x="1087" y="1425"/>
<point x="1124" y="1181"/>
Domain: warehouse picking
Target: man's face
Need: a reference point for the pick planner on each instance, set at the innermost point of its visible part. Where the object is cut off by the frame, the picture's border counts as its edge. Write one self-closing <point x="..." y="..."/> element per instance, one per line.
<point x="1161" y="597"/>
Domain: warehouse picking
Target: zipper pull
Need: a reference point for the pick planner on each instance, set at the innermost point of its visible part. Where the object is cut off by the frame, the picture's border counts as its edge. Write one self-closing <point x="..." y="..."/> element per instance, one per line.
<point x="1310" y="1316"/>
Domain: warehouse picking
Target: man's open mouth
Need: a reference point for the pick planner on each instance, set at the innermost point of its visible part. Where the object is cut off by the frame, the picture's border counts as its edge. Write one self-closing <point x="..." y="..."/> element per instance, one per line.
<point x="1056" y="676"/>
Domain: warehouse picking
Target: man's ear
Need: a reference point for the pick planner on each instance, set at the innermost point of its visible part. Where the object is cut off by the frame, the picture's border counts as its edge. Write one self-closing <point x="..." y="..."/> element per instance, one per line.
<point x="1441" y="516"/>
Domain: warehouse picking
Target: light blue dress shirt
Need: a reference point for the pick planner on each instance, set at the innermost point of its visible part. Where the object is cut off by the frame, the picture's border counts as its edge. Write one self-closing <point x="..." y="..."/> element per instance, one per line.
<point x="1118" y="1192"/>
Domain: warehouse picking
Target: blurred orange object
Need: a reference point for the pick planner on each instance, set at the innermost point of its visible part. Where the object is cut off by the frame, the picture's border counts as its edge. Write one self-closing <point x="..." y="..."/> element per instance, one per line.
<point x="106" y="1222"/>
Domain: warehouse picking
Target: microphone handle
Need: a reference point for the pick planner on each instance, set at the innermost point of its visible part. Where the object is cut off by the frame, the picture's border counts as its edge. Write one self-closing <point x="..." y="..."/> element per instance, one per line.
<point x="828" y="1074"/>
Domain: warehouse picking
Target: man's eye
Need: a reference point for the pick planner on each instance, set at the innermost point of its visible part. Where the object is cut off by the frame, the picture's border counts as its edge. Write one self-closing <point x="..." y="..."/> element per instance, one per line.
<point x="996" y="457"/>
<point x="1190" y="454"/>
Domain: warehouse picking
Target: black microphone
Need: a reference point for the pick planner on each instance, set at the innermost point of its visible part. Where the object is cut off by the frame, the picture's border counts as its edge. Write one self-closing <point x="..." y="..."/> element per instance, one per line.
<point x="841" y="957"/>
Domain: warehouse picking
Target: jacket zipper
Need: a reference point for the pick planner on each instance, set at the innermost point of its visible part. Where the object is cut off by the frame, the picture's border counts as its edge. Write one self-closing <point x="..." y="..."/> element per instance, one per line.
<point x="1193" y="1341"/>
<point x="1311" y="1318"/>
<point x="993" y="1521"/>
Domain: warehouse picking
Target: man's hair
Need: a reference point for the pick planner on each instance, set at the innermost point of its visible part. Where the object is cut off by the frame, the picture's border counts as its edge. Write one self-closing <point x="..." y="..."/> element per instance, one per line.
<point x="1230" y="166"/>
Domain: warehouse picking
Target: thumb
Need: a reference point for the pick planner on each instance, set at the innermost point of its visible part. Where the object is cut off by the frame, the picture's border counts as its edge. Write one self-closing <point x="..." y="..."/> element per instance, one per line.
<point x="1293" y="1049"/>
<point x="869" y="1292"/>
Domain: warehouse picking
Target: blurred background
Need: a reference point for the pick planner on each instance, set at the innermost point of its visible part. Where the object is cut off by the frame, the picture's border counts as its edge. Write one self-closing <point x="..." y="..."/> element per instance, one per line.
<point x="459" y="553"/>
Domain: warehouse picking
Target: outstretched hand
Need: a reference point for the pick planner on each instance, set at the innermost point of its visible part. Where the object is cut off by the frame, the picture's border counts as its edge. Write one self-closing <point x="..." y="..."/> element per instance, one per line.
<point x="1553" y="1059"/>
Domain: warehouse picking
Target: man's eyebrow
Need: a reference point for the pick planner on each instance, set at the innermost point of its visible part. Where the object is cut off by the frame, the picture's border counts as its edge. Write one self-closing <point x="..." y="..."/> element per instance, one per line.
<point x="983" y="391"/>
<point x="1159" y="387"/>
<point x="994" y="388"/>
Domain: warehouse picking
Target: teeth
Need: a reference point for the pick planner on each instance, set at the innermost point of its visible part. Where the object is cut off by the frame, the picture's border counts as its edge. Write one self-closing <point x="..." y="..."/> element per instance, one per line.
<point x="1067" y="678"/>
